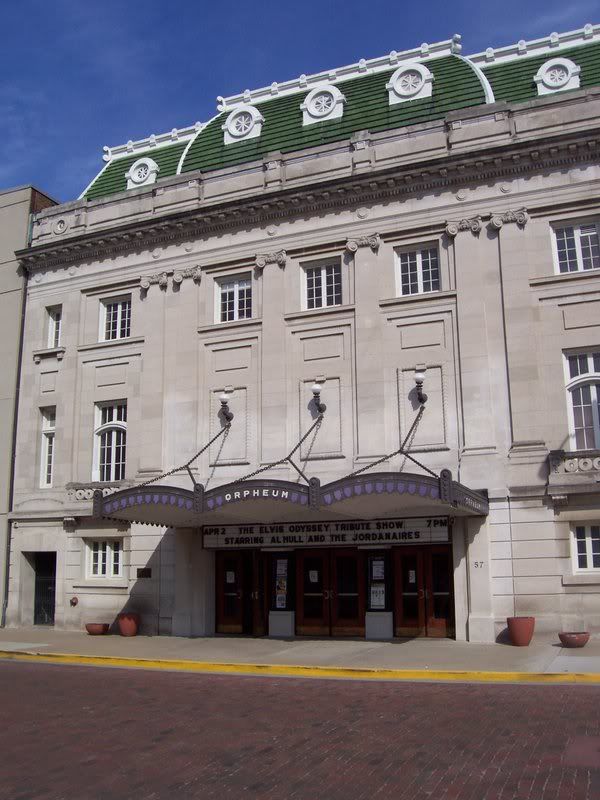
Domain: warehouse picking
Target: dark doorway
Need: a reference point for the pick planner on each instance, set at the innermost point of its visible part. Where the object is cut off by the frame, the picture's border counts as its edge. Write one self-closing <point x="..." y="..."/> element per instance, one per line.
<point x="45" y="588"/>
<point x="241" y="594"/>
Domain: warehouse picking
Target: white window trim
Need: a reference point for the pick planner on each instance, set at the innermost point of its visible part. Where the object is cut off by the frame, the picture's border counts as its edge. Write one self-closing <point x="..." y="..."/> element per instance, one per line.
<point x="310" y="114"/>
<point x="396" y="94"/>
<point x="99" y="429"/>
<point x="576" y="569"/>
<point x="104" y="303"/>
<point x="54" y="340"/>
<point x="322" y="263"/>
<point x="48" y="434"/>
<point x="151" y="168"/>
<point x="573" y="383"/>
<point x="89" y="556"/>
<point x="571" y="81"/>
<point x="232" y="135"/>
<point x="417" y="248"/>
<point x="576" y="224"/>
<point x="223" y="279"/>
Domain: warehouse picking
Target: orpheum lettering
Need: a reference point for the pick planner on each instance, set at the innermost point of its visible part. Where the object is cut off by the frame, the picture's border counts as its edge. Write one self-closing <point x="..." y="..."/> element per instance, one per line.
<point x="244" y="494"/>
<point x="326" y="533"/>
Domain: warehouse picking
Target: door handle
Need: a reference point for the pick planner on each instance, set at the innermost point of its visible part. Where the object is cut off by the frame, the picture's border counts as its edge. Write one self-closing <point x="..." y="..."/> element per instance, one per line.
<point x="421" y="594"/>
<point x="326" y="594"/>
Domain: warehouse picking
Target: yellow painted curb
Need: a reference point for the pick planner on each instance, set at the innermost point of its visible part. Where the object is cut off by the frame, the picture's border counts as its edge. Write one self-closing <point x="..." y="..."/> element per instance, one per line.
<point x="284" y="670"/>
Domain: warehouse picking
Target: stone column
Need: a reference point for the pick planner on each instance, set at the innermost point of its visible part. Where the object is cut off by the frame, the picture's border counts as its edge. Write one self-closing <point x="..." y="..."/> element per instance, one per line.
<point x="481" y="618"/>
<point x="182" y="612"/>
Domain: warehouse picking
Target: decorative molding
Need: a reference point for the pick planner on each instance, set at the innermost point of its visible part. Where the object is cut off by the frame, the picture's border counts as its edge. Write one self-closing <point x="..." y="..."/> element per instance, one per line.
<point x="552" y="43"/>
<point x="84" y="492"/>
<point x="359" y="191"/>
<point x="142" y="172"/>
<point x="152" y="141"/>
<point x="279" y="257"/>
<point x="520" y="216"/>
<point x="582" y="461"/>
<point x="49" y="352"/>
<point x="473" y="224"/>
<point x="177" y="277"/>
<point x="373" y="241"/>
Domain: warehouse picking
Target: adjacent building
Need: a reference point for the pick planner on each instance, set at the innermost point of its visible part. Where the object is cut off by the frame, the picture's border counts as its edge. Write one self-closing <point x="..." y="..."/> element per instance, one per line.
<point x="389" y="274"/>
<point x="16" y="207"/>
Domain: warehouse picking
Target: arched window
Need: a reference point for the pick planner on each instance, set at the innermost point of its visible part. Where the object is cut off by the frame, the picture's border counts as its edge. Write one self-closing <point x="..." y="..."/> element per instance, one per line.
<point x="110" y="441"/>
<point x="583" y="388"/>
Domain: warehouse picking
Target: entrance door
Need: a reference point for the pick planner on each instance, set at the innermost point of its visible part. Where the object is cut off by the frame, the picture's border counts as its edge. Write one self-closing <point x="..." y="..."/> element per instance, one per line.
<point x="423" y="591"/>
<point x="330" y="593"/>
<point x="45" y="588"/>
<point x="241" y="596"/>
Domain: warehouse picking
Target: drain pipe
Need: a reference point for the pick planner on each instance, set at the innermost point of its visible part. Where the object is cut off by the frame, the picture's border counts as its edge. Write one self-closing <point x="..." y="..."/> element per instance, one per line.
<point x="11" y="483"/>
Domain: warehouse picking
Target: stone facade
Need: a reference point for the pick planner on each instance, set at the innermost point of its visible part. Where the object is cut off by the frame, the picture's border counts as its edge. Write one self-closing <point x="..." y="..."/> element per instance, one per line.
<point x="486" y="187"/>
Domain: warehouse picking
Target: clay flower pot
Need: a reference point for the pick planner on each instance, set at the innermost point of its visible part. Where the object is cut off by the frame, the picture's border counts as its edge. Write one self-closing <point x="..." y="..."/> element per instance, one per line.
<point x="129" y="622"/>
<point x="97" y="628"/>
<point x="520" y="630"/>
<point x="574" y="638"/>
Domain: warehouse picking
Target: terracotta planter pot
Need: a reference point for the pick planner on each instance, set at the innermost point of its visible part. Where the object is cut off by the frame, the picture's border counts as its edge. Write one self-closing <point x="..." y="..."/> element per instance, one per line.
<point x="97" y="628"/>
<point x="129" y="622"/>
<point x="520" y="630"/>
<point x="574" y="638"/>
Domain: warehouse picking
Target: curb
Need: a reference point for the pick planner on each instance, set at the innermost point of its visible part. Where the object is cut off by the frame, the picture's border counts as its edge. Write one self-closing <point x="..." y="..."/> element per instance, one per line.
<point x="298" y="671"/>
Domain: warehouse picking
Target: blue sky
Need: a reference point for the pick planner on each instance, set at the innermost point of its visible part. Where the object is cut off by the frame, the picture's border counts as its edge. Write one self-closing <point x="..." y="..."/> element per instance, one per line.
<point x="78" y="75"/>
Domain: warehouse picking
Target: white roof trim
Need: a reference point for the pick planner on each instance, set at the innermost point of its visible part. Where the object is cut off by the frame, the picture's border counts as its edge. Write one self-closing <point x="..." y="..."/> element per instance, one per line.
<point x="304" y="82"/>
<point x="154" y="140"/>
<point x="549" y="44"/>
<point x="487" y="87"/>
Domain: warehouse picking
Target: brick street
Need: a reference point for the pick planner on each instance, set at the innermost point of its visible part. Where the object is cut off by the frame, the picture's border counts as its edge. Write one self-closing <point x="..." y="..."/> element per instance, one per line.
<point x="85" y="732"/>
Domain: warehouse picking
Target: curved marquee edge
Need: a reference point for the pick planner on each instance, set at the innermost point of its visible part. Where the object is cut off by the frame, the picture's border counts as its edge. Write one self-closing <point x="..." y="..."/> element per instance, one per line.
<point x="195" y="503"/>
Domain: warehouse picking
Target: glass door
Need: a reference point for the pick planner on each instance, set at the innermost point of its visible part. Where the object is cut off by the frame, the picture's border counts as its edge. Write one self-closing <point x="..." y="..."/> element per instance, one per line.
<point x="409" y="611"/>
<point x="313" y="593"/>
<point x="347" y="595"/>
<point x="438" y="591"/>
<point x="230" y="592"/>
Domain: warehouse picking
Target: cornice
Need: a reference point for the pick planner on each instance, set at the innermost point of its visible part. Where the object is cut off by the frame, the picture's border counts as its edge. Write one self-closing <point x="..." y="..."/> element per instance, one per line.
<point x="445" y="173"/>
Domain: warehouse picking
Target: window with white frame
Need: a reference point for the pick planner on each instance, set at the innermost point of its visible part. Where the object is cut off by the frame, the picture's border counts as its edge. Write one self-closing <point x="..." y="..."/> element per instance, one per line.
<point x="577" y="247"/>
<point x="54" y="326"/>
<point x="233" y="299"/>
<point x="583" y="390"/>
<point x="110" y="443"/>
<point x="105" y="558"/>
<point x="115" y="318"/>
<point x="586" y="547"/>
<point x="418" y="270"/>
<point x="323" y="285"/>
<point x="47" y="449"/>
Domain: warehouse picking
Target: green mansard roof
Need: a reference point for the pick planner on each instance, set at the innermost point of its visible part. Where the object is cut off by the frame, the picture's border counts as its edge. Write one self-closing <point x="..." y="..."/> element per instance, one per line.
<point x="503" y="75"/>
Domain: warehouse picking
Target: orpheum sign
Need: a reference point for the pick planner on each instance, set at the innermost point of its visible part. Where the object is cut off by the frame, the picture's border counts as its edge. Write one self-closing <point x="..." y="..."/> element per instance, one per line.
<point x="353" y="533"/>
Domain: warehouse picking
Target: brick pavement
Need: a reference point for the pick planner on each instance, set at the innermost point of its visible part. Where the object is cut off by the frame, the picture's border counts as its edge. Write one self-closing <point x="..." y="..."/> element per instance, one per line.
<point x="77" y="733"/>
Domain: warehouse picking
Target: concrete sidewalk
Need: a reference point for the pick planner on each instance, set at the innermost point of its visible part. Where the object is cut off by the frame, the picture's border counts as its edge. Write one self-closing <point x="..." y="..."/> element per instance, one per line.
<point x="544" y="656"/>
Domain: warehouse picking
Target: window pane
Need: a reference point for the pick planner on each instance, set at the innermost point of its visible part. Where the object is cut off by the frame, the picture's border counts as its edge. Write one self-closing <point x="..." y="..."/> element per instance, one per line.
<point x="578" y="365"/>
<point x="595" y="535"/>
<point x="95" y="558"/>
<point x="244" y="299"/>
<point x="567" y="252"/>
<point x="112" y="321"/>
<point x="581" y="547"/>
<point x="333" y="285"/>
<point x="431" y="275"/>
<point x="585" y="438"/>
<point x="49" y="458"/>
<point x="590" y="250"/>
<point x="408" y="273"/>
<point x="314" y="290"/>
<point x="116" y="558"/>
<point x="103" y="555"/>
<point x="227" y="302"/>
<point x="125" y="319"/>
<point x="106" y="445"/>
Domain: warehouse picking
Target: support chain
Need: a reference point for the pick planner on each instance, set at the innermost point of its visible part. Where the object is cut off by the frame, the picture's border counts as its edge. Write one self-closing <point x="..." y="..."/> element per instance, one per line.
<point x="315" y="426"/>
<point x="402" y="450"/>
<point x="187" y="465"/>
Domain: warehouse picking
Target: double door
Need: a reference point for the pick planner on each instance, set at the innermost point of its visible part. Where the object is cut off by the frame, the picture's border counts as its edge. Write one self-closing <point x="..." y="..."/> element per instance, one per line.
<point x="423" y="591"/>
<point x="241" y="592"/>
<point x="330" y="599"/>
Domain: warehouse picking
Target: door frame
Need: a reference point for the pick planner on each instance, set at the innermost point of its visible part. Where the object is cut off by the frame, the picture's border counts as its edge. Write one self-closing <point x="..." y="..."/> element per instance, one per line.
<point x="427" y="625"/>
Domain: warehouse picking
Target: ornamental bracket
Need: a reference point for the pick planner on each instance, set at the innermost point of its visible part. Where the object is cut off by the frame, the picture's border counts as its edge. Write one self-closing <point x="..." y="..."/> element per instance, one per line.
<point x="262" y="259"/>
<point x="520" y="216"/>
<point x="373" y="241"/>
<point x="473" y="224"/>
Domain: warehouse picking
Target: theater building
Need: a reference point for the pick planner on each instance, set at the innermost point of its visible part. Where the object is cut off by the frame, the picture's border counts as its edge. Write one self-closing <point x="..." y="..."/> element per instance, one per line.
<point x="329" y="363"/>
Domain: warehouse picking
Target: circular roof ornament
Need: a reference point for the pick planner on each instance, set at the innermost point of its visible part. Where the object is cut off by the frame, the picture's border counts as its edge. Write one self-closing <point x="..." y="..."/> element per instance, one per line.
<point x="142" y="172"/>
<point x="244" y="122"/>
<point x="557" y="75"/>
<point x="410" y="81"/>
<point x="324" y="102"/>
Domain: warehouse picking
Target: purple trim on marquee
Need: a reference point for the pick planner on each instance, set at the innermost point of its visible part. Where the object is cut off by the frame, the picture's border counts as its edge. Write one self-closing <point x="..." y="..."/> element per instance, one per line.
<point x="381" y="487"/>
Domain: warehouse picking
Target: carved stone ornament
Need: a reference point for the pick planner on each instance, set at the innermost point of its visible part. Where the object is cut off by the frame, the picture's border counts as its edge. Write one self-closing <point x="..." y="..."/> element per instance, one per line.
<point x="278" y="258"/>
<point x="162" y="278"/>
<point x="472" y="224"/>
<point x="520" y="216"/>
<point x="372" y="241"/>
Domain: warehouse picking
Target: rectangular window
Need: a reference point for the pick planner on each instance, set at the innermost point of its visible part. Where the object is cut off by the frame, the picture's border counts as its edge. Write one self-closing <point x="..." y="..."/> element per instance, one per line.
<point x="110" y="441"/>
<point x="115" y="318"/>
<point x="586" y="550"/>
<point x="418" y="271"/>
<point x="105" y="558"/>
<point x="583" y="390"/>
<point x="47" y="449"/>
<point x="323" y="285"/>
<point x="577" y="247"/>
<point x="54" y="326"/>
<point x="234" y="299"/>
